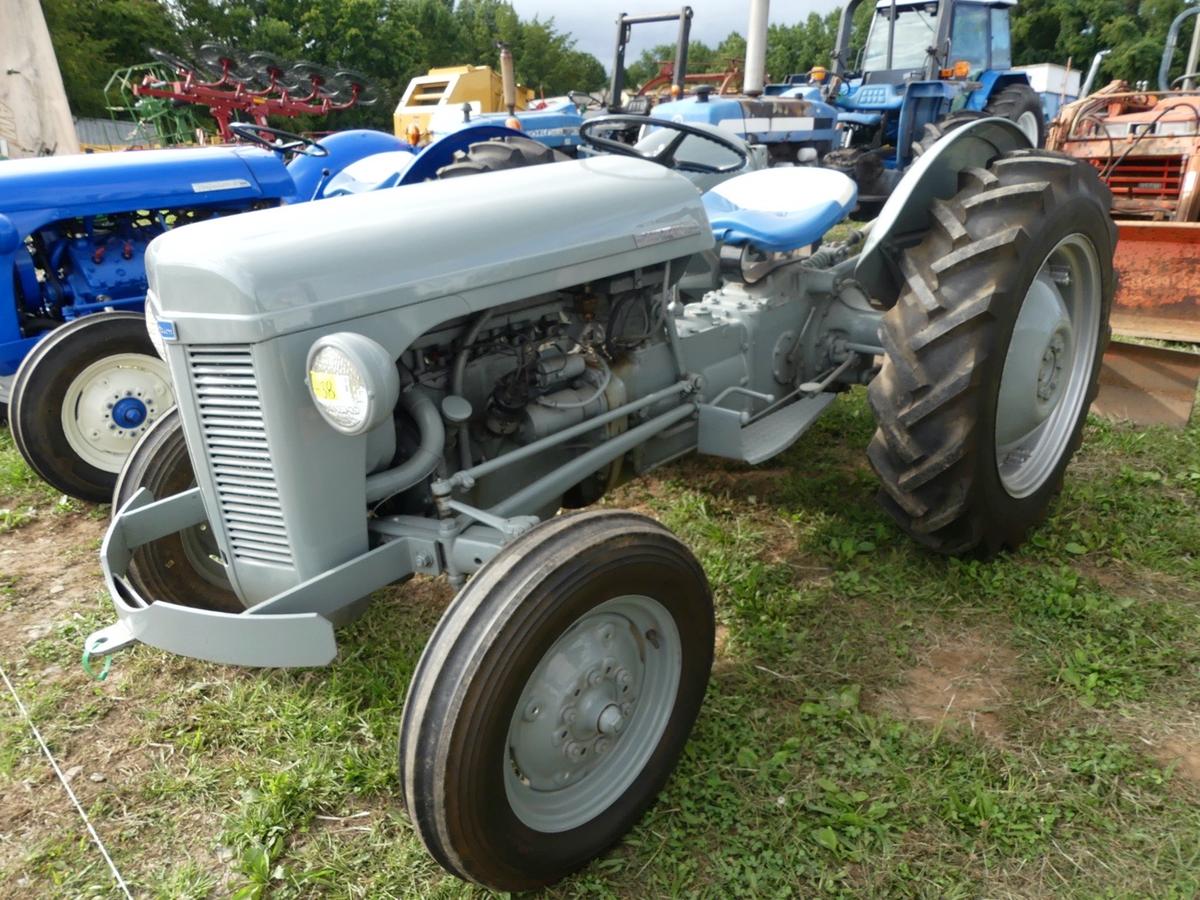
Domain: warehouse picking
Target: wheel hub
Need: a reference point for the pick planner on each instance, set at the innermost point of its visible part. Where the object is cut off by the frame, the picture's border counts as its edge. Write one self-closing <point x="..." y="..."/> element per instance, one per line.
<point x="1050" y="355"/>
<point x="128" y="412"/>
<point x="581" y="708"/>
<point x="591" y="712"/>
<point x="1040" y="348"/>
<point x="111" y="403"/>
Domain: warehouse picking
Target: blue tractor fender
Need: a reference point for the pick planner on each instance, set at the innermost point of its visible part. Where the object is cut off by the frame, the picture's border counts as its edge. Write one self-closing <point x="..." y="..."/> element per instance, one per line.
<point x="990" y="82"/>
<point x="556" y="124"/>
<point x="308" y="173"/>
<point x="410" y="166"/>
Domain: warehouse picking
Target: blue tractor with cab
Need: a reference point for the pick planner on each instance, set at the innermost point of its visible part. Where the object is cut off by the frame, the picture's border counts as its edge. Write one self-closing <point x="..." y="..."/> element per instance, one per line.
<point x="927" y="67"/>
<point x="80" y="381"/>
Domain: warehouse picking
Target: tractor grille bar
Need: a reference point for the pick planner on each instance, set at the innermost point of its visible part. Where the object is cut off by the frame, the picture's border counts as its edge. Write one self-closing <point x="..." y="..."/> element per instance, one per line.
<point x="235" y="442"/>
<point x="1144" y="177"/>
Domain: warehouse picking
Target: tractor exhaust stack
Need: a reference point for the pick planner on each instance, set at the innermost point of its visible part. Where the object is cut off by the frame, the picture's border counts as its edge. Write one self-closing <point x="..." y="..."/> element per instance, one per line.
<point x="508" y="79"/>
<point x="756" y="48"/>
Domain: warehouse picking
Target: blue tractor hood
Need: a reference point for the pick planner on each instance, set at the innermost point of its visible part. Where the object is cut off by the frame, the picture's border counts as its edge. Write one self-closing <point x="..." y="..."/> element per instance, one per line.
<point x="51" y="188"/>
<point x="764" y="120"/>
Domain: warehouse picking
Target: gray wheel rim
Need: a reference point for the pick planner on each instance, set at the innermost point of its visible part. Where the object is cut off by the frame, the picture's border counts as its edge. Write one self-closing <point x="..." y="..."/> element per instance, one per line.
<point x="1028" y="123"/>
<point x="200" y="548"/>
<point x="592" y="713"/>
<point x="1048" y="366"/>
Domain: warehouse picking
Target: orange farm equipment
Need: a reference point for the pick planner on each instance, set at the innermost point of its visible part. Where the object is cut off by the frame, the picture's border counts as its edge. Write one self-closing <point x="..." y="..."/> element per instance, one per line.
<point x="1146" y="146"/>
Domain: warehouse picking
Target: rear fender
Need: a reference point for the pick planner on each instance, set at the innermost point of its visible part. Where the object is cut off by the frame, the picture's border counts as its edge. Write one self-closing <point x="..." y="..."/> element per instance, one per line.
<point x="990" y="82"/>
<point x="904" y="219"/>
<point x="345" y="147"/>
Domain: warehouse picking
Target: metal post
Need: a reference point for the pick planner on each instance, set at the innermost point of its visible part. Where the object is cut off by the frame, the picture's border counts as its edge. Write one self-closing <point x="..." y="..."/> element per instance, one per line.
<point x="681" y="47"/>
<point x="617" y="84"/>
<point x="892" y="33"/>
<point x="1193" y="57"/>
<point x="756" y="48"/>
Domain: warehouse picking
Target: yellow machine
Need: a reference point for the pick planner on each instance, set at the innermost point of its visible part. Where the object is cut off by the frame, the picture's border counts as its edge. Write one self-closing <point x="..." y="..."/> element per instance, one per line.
<point x="444" y="91"/>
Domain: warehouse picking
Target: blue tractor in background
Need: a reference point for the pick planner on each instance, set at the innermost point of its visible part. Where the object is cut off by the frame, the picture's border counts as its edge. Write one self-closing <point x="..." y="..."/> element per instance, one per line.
<point x="794" y="124"/>
<point x="80" y="380"/>
<point x="927" y="67"/>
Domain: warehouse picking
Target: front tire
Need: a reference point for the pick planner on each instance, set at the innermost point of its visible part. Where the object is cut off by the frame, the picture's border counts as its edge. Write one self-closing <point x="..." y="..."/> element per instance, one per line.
<point x="555" y="698"/>
<point x="183" y="568"/>
<point x="83" y="396"/>
<point x="993" y="352"/>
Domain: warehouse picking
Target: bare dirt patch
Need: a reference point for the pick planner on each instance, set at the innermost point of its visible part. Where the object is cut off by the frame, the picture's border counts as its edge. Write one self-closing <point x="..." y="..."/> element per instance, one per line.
<point x="962" y="681"/>
<point x="51" y="564"/>
<point x="1184" y="753"/>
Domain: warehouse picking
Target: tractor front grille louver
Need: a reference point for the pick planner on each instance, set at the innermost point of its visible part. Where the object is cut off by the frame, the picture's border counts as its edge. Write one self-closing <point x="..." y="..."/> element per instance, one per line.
<point x="239" y="457"/>
<point x="1154" y="178"/>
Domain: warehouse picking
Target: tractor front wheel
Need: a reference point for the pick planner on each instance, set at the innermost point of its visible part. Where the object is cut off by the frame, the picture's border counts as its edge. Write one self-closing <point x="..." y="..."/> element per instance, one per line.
<point x="555" y="698"/>
<point x="184" y="568"/>
<point x="993" y="352"/>
<point x="83" y="396"/>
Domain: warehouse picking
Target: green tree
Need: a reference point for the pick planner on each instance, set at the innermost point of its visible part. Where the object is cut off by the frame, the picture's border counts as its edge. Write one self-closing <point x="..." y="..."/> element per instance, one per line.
<point x="93" y="38"/>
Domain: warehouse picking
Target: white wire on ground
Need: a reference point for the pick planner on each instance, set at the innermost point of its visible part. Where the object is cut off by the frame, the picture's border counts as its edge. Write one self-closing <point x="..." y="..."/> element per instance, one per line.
<point x="70" y="793"/>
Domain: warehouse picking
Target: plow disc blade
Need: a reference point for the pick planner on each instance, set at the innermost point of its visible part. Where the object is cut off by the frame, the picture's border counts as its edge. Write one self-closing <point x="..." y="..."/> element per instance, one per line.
<point x="1158" y="280"/>
<point x="1147" y="385"/>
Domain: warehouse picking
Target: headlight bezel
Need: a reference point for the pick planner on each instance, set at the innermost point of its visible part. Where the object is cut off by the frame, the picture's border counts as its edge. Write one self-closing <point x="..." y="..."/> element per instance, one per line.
<point x="370" y="365"/>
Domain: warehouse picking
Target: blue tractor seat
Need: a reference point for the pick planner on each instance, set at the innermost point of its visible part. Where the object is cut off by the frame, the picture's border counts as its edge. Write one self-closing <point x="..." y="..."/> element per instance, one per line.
<point x="781" y="209"/>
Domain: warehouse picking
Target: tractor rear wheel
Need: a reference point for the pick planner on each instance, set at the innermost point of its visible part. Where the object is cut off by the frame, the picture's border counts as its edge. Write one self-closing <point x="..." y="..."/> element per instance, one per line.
<point x="499" y="154"/>
<point x="993" y="352"/>
<point x="83" y="396"/>
<point x="184" y="568"/>
<point x="935" y="131"/>
<point x="1020" y="104"/>
<point x="555" y="698"/>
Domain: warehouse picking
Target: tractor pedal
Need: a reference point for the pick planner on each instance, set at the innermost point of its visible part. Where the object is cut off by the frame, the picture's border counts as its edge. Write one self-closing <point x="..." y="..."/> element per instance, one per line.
<point x="722" y="432"/>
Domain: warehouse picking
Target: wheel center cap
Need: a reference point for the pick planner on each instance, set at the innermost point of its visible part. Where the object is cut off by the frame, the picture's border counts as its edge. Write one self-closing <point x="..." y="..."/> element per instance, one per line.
<point x="611" y="721"/>
<point x="129" y="412"/>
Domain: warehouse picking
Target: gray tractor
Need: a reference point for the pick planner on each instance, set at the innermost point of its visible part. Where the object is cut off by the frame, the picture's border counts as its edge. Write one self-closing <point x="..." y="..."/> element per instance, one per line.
<point x="421" y="387"/>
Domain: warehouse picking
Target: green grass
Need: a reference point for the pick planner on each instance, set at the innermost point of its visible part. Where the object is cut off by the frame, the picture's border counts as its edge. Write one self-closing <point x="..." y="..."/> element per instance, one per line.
<point x="809" y="771"/>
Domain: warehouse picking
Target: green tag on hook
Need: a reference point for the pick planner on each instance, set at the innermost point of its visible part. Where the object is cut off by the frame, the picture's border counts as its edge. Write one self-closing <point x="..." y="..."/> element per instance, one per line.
<point x="87" y="665"/>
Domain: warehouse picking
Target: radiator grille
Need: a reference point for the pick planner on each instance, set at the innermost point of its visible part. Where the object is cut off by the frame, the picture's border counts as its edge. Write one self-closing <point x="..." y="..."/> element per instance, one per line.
<point x="235" y="442"/>
<point x="1144" y="177"/>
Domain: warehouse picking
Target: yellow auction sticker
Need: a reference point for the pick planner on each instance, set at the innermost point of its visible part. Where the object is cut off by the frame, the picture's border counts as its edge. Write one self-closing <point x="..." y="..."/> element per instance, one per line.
<point x="324" y="385"/>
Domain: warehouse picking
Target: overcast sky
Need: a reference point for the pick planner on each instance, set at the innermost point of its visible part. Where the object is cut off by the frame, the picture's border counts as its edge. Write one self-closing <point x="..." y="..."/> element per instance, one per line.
<point x="593" y="23"/>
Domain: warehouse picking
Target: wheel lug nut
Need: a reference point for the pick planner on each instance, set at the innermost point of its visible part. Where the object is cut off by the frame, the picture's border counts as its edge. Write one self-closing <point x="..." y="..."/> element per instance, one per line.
<point x="626" y="709"/>
<point x="594" y="676"/>
<point x="601" y="746"/>
<point x="574" y="751"/>
<point x="569" y="715"/>
<point x="624" y="678"/>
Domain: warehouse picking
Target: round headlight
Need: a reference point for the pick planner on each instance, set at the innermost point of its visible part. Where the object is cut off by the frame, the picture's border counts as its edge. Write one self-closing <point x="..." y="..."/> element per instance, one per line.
<point x="353" y="382"/>
<point x="156" y="337"/>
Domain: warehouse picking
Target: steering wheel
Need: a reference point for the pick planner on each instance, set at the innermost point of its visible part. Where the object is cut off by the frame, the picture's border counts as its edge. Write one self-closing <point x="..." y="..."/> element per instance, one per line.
<point x="288" y="141"/>
<point x="665" y="155"/>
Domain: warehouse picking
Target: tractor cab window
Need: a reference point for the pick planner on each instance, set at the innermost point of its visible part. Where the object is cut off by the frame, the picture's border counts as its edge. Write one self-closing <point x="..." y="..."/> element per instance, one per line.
<point x="915" y="31"/>
<point x="969" y="35"/>
<point x="1001" y="39"/>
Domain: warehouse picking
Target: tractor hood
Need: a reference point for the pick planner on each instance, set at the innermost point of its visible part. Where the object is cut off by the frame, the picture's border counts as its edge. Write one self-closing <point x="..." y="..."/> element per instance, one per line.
<point x="36" y="191"/>
<point x="449" y="247"/>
